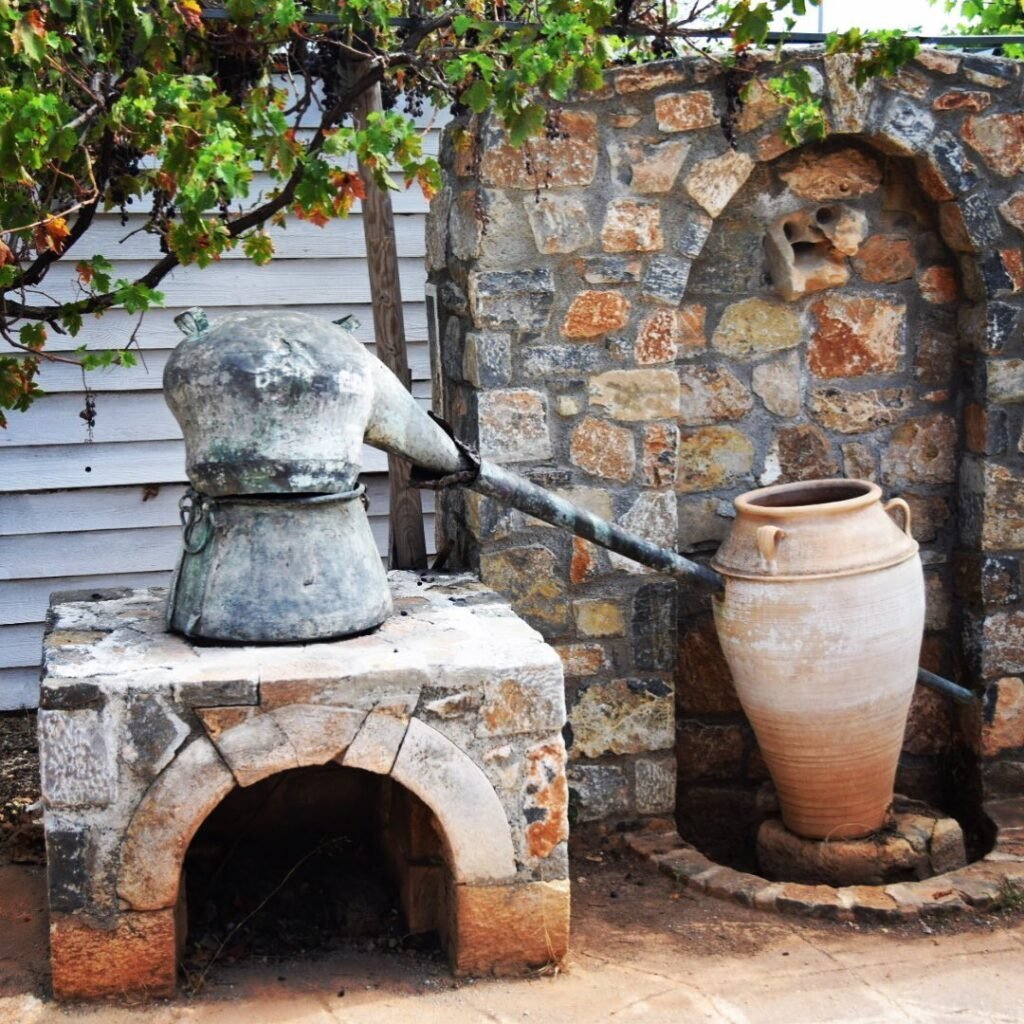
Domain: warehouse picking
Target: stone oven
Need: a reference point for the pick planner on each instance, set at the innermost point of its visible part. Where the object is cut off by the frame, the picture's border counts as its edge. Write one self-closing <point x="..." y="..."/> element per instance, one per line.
<point x="660" y="304"/>
<point x="454" y="705"/>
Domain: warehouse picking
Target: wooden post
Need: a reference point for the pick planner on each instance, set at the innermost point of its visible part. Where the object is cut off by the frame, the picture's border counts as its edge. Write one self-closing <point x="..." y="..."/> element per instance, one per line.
<point x="406" y="543"/>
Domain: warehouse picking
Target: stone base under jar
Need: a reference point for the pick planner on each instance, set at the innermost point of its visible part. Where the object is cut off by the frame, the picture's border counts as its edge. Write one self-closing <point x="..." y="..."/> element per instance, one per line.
<point x="917" y="842"/>
<point x="454" y="700"/>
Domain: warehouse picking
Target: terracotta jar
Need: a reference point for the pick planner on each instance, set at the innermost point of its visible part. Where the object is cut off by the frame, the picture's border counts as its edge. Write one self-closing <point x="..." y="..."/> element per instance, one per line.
<point x="821" y="624"/>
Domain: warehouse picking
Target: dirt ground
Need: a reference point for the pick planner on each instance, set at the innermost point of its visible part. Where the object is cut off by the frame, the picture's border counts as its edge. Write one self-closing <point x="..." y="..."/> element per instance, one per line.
<point x="641" y="951"/>
<point x="19" y="764"/>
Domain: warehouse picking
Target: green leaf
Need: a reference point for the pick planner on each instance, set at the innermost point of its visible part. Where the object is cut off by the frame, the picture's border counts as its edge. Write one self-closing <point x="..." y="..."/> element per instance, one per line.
<point x="525" y="123"/>
<point x="478" y="96"/>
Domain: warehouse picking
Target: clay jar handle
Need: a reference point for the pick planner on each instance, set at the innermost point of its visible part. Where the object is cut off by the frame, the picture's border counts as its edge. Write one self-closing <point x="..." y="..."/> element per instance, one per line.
<point x="900" y="505"/>
<point x="768" y="538"/>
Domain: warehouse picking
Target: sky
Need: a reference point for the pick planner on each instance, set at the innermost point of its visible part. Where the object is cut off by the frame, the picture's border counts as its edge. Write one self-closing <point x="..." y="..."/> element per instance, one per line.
<point x="837" y="15"/>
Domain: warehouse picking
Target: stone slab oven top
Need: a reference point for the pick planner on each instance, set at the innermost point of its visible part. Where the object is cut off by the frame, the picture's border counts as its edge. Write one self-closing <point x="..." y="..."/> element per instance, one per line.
<point x="143" y="734"/>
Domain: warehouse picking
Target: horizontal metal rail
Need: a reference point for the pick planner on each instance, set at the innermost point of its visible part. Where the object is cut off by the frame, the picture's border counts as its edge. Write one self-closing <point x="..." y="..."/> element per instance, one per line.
<point x="799" y="38"/>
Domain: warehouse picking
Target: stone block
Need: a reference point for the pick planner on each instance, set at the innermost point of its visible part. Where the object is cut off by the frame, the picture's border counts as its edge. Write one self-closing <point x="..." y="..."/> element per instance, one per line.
<point x="546" y="804"/>
<point x="1002" y="726"/>
<point x="985" y="429"/>
<point x="885" y="259"/>
<point x="593" y="314"/>
<point x="519" y="300"/>
<point x="921" y="450"/>
<point x="646" y="77"/>
<point x="778" y="384"/>
<point x="559" y="223"/>
<point x="935" y="357"/>
<point x="632" y="226"/>
<point x="585" y="562"/>
<point x="529" y="578"/>
<point x="979" y="225"/>
<point x="666" y="333"/>
<point x="568" y="406"/>
<point x="850" y="103"/>
<point x="660" y="452"/>
<point x="533" y="700"/>
<point x="991" y="328"/>
<point x="610" y="269"/>
<point x="71" y="867"/>
<point x="799" y="453"/>
<point x="857" y="412"/>
<point x="654" y="168"/>
<point x="379" y="739"/>
<point x="655" y="785"/>
<point x="999" y="138"/>
<point x="712" y="457"/>
<point x="938" y="61"/>
<point x="713" y="182"/>
<point x="694" y="234"/>
<point x="963" y="99"/>
<point x="930" y="728"/>
<point x="218" y="693"/>
<point x="685" y="111"/>
<point x="154" y="733"/>
<point x="632" y="396"/>
<point x="513" y="425"/>
<point x="622" y="716"/>
<point x="759" y="105"/>
<point x="135" y="956"/>
<point x="752" y="328"/>
<point x="709" y="751"/>
<point x="938" y="285"/>
<point x="709" y="394"/>
<point x="859" y="462"/>
<point x="905" y="127"/>
<point x="652" y="516"/>
<point x="487" y="359"/>
<point x="252" y="743"/>
<point x="603" y="450"/>
<point x="998" y="643"/>
<point x="579" y="660"/>
<point x="58" y="695"/>
<point x="598" y="618"/>
<point x="665" y="280"/>
<point x="76" y="763"/>
<point x="598" y="791"/>
<point x="1005" y="380"/>
<point x="508" y="930"/>
<point x="573" y="361"/>
<point x="842" y="174"/>
<point x="565" y="156"/>
<point x="703" y="682"/>
<point x="466" y="223"/>
<point x="1013" y="210"/>
<point x="987" y="580"/>
<point x="653" y="626"/>
<point x="1013" y="264"/>
<point x="856" y="335"/>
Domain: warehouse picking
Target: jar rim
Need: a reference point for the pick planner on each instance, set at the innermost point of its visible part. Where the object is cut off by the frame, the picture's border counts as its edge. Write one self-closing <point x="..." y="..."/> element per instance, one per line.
<point x="834" y="494"/>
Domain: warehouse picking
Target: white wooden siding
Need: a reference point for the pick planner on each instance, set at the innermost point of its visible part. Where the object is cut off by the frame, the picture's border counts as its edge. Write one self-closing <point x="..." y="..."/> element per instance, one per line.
<point x="80" y="513"/>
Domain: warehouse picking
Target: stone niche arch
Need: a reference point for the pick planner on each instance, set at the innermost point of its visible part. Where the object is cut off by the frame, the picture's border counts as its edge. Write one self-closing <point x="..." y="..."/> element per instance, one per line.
<point x="476" y="830"/>
<point x="564" y="311"/>
<point x="244" y="746"/>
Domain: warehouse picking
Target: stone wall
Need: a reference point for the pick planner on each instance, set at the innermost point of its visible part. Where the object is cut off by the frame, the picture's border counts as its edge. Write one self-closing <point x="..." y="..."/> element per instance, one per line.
<point x="658" y="305"/>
